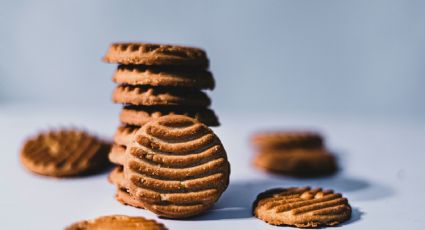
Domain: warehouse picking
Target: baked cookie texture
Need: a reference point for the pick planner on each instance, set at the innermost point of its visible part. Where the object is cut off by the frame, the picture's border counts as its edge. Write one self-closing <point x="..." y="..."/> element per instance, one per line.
<point x="176" y="166"/>
<point x="64" y="152"/>
<point x="302" y="207"/>
<point x="115" y="222"/>
<point x="294" y="153"/>
<point x="151" y="96"/>
<point x="169" y="77"/>
<point x="156" y="55"/>
<point x="140" y="115"/>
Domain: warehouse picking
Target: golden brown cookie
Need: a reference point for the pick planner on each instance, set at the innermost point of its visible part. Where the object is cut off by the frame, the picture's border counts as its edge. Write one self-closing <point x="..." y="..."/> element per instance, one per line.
<point x="156" y="54"/>
<point x="116" y="177"/>
<point x="176" y="166"/>
<point x="116" y="155"/>
<point x="124" y="134"/>
<point x="64" y="152"/>
<point x="117" y="222"/>
<point x="287" y="140"/>
<point x="154" y="76"/>
<point x="295" y="153"/>
<point x="302" y="207"/>
<point x="146" y="95"/>
<point x="139" y="115"/>
<point x="317" y="162"/>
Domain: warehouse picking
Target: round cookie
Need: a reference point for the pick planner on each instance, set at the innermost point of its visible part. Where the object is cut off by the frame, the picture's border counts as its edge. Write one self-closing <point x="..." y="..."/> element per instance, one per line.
<point x="287" y="140"/>
<point x="146" y="95"/>
<point x="64" y="152"/>
<point x="124" y="134"/>
<point x="142" y="75"/>
<point x="156" y="54"/>
<point x="302" y="207"/>
<point x="140" y="115"/>
<point x="176" y="166"/>
<point x="117" y="222"/>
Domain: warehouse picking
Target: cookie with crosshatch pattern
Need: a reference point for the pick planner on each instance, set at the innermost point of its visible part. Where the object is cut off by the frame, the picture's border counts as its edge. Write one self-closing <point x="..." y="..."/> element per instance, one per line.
<point x="64" y="152"/>
<point x="117" y="222"/>
<point x="301" y="207"/>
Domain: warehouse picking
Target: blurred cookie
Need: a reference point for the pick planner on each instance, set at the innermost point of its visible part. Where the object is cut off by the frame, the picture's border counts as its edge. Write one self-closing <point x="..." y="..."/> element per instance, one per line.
<point x="287" y="140"/>
<point x="124" y="134"/>
<point x="297" y="162"/>
<point x="139" y="115"/>
<point x="64" y="152"/>
<point x="116" y="155"/>
<point x="156" y="54"/>
<point x="176" y="166"/>
<point x="295" y="153"/>
<point x="146" y="95"/>
<point x="142" y="75"/>
<point x="117" y="222"/>
<point x="302" y="207"/>
<point x="116" y="177"/>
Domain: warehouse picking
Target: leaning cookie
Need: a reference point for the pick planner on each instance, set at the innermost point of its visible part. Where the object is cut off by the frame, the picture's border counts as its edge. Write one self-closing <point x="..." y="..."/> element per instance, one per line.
<point x="64" y="153"/>
<point x="176" y="166"/>
<point x="161" y="76"/>
<point x="156" y="55"/>
<point x="302" y="207"/>
<point x="117" y="222"/>
<point x="140" y="115"/>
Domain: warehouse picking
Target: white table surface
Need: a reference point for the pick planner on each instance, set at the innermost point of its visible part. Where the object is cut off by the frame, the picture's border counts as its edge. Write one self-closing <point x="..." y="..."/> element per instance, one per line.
<point x="382" y="171"/>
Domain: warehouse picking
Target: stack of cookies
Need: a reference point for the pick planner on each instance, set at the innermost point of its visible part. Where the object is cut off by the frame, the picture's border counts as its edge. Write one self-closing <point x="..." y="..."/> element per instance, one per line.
<point x="153" y="81"/>
<point x="295" y="153"/>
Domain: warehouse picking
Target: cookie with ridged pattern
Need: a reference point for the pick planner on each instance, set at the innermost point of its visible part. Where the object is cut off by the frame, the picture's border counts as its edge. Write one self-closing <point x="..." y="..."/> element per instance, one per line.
<point x="176" y="166"/>
<point x="117" y="222"/>
<point x="140" y="115"/>
<point x="151" y="96"/>
<point x="302" y="207"/>
<point x="162" y="76"/>
<point x="64" y="152"/>
<point x="116" y="177"/>
<point x="156" y="55"/>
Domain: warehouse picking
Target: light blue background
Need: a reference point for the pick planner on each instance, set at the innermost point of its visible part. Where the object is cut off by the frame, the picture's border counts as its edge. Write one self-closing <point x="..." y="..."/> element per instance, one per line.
<point x="346" y="57"/>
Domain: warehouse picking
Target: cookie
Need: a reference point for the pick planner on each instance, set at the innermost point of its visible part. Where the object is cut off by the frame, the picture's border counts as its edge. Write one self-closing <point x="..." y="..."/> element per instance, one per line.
<point x="116" y="177"/>
<point x="116" y="155"/>
<point x="156" y="55"/>
<point x="302" y="207"/>
<point x="140" y="115"/>
<point x="302" y="163"/>
<point x="117" y="222"/>
<point x="147" y="95"/>
<point x="176" y="166"/>
<point x="64" y="152"/>
<point x="287" y="140"/>
<point x="154" y="76"/>
<point x="124" y="134"/>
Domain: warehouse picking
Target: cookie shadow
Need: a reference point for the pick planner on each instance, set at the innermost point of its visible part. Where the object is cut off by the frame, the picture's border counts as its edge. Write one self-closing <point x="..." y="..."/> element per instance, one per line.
<point x="236" y="202"/>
